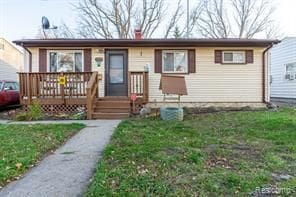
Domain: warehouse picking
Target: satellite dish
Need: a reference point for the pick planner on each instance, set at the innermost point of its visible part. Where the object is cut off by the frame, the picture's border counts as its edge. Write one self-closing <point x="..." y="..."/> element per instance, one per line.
<point x="45" y="23"/>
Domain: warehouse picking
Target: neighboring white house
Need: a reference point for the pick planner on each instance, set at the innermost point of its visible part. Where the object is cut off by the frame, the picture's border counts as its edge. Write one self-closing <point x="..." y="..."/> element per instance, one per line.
<point x="283" y="70"/>
<point x="11" y="61"/>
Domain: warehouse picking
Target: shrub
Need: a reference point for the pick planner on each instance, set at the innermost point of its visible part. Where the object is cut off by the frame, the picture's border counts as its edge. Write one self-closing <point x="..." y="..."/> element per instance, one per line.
<point x="22" y="116"/>
<point x="34" y="113"/>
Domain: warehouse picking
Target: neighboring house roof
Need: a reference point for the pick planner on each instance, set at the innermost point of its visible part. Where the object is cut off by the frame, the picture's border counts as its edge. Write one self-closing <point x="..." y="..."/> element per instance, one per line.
<point x="4" y="42"/>
<point x="202" y="42"/>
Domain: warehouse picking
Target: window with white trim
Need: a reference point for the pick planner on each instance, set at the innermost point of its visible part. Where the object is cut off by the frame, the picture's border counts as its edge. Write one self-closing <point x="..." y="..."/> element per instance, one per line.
<point x="290" y="71"/>
<point x="65" y="61"/>
<point x="234" y="57"/>
<point x="174" y="61"/>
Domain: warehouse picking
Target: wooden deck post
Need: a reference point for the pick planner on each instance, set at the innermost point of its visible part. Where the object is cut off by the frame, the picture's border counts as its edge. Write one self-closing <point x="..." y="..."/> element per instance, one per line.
<point x="146" y="87"/>
<point x="62" y="86"/>
<point x="129" y="85"/>
<point x="29" y="94"/>
<point x="91" y="93"/>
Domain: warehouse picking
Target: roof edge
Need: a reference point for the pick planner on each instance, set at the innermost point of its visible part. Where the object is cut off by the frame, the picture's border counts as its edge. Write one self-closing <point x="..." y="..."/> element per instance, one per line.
<point x="201" y="42"/>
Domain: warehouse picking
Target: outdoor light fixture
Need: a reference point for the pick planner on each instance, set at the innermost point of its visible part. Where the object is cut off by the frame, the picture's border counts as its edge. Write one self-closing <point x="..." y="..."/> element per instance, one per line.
<point x="99" y="61"/>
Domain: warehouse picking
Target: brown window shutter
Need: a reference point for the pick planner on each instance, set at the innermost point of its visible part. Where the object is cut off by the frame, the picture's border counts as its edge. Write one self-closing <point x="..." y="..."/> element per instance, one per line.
<point x="249" y="56"/>
<point x="158" y="61"/>
<point x="87" y="60"/>
<point x="191" y="61"/>
<point x="42" y="60"/>
<point x="218" y="56"/>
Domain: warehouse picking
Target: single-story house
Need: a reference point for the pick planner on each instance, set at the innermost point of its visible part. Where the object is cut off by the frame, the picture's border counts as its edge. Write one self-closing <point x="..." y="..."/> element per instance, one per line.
<point x="11" y="61"/>
<point x="102" y="74"/>
<point x="283" y="71"/>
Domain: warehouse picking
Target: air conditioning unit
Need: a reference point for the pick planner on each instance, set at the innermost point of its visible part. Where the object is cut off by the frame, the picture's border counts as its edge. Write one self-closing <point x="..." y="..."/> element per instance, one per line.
<point x="290" y="76"/>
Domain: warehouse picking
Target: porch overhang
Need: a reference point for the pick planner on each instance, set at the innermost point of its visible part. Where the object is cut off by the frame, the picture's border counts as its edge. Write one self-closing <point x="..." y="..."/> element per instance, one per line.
<point x="225" y="42"/>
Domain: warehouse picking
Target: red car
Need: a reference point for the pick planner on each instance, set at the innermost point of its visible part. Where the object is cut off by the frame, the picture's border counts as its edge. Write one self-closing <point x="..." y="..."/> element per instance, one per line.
<point x="9" y="93"/>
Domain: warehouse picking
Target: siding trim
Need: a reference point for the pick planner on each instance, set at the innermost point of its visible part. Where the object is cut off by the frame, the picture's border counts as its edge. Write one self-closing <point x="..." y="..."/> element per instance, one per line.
<point x="218" y="56"/>
<point x="191" y="61"/>
<point x="42" y="60"/>
<point x="87" y="61"/>
<point x="249" y="56"/>
<point x="158" y="61"/>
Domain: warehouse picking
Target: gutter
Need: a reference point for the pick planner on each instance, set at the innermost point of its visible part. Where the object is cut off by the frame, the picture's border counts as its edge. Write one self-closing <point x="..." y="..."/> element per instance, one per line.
<point x="30" y="57"/>
<point x="145" y="42"/>
<point x="264" y="73"/>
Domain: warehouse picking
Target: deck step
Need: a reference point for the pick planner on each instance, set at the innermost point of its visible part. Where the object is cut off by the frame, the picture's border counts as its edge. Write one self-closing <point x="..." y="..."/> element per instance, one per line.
<point x="112" y="104"/>
<point x="113" y="98"/>
<point x="112" y="109"/>
<point x="100" y="115"/>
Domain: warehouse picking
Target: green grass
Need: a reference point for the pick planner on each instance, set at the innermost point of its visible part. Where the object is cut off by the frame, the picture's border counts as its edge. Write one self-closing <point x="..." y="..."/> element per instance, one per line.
<point x="218" y="154"/>
<point x="21" y="146"/>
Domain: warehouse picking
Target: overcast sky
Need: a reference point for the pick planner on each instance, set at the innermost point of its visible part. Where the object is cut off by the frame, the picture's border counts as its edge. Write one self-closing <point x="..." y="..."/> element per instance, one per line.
<point x="22" y="18"/>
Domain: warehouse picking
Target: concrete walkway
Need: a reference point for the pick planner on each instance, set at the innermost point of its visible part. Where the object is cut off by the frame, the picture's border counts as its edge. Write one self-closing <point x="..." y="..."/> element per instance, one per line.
<point x="4" y="121"/>
<point x="67" y="172"/>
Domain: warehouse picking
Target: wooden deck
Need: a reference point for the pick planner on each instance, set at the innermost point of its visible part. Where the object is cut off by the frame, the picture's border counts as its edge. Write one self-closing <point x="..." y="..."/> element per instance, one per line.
<point x="80" y="90"/>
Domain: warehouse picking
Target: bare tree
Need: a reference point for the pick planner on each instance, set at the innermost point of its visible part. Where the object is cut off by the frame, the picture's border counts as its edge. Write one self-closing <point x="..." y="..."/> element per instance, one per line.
<point x="252" y="16"/>
<point x="273" y="30"/>
<point x="150" y="16"/>
<point x="61" y="31"/>
<point x="214" y="21"/>
<point x="235" y="18"/>
<point x="119" y="18"/>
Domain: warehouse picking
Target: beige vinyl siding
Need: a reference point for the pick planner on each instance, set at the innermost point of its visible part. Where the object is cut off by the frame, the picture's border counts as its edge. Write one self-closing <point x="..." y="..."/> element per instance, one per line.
<point x="35" y="59"/>
<point x="97" y="52"/>
<point x="212" y="82"/>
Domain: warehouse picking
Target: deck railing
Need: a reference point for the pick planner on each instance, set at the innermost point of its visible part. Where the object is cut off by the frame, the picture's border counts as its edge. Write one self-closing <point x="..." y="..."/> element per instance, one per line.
<point x="49" y="86"/>
<point x="139" y="85"/>
<point x="78" y="89"/>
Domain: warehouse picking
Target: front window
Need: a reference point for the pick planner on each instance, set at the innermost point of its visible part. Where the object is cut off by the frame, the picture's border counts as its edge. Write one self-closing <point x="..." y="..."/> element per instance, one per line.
<point x="233" y="57"/>
<point x="116" y="68"/>
<point x="65" y="61"/>
<point x="175" y="61"/>
<point x="290" y="71"/>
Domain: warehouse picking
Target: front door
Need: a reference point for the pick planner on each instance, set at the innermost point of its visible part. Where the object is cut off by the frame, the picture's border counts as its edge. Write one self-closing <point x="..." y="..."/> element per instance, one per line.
<point x="116" y="73"/>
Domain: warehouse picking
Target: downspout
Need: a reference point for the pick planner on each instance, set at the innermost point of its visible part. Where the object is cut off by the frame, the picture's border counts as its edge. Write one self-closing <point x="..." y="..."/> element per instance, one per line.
<point x="30" y="57"/>
<point x="264" y="73"/>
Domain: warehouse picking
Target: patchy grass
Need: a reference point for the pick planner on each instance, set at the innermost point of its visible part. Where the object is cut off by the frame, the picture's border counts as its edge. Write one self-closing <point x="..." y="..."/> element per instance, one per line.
<point x="218" y="154"/>
<point x="21" y="146"/>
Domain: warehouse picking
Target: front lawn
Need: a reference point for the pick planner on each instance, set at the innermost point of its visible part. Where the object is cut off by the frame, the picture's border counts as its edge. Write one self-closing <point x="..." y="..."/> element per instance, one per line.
<point x="21" y="146"/>
<point x="218" y="154"/>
